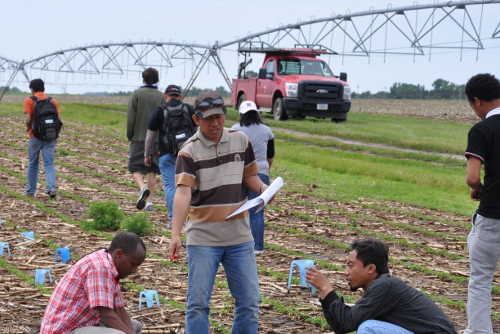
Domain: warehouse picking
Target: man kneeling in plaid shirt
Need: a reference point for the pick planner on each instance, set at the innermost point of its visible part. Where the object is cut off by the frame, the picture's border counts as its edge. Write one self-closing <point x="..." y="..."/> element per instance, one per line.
<point x="88" y="299"/>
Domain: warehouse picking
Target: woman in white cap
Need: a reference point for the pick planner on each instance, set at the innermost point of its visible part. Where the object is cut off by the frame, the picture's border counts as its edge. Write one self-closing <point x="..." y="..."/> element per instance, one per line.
<point x="262" y="139"/>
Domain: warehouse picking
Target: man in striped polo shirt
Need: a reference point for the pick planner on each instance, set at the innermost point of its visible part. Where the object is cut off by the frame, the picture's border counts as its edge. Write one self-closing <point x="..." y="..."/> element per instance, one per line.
<point x="212" y="170"/>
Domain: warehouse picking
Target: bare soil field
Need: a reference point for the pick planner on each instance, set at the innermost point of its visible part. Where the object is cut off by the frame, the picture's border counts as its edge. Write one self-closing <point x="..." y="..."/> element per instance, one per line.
<point x="428" y="248"/>
<point x="449" y="110"/>
<point x="453" y="110"/>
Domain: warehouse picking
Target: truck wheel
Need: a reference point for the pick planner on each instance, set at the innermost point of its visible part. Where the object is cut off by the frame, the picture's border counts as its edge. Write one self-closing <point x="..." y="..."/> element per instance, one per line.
<point x="279" y="112"/>
<point x="240" y="100"/>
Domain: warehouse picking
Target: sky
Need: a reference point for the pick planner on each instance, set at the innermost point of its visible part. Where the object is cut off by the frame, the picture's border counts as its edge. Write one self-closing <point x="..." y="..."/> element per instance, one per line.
<point x="28" y="32"/>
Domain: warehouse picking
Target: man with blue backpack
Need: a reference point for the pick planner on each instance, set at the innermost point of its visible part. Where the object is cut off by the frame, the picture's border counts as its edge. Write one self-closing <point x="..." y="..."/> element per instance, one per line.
<point x="173" y="120"/>
<point x="43" y="123"/>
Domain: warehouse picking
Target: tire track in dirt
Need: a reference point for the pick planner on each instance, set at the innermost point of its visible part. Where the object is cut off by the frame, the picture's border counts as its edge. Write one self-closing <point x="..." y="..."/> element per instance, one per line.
<point x="368" y="144"/>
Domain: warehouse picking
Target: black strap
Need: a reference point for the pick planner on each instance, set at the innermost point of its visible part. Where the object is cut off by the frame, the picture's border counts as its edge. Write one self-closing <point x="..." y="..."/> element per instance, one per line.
<point x="36" y="99"/>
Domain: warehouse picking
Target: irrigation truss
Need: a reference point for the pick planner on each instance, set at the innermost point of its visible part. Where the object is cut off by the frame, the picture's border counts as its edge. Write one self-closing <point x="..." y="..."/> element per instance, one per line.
<point x="416" y="31"/>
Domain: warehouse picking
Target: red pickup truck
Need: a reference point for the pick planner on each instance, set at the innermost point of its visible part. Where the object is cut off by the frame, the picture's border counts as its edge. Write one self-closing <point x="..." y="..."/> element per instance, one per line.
<point x="293" y="82"/>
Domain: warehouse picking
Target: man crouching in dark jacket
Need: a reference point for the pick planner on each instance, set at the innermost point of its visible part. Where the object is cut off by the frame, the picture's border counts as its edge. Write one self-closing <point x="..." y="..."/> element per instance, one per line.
<point x="388" y="304"/>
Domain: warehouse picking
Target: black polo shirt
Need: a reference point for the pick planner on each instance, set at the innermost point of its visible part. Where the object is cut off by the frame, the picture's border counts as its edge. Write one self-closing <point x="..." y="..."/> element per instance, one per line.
<point x="157" y="118"/>
<point x="484" y="143"/>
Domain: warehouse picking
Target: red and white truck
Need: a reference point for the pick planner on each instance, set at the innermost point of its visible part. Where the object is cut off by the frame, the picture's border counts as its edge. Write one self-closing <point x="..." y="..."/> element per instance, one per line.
<point x="294" y="82"/>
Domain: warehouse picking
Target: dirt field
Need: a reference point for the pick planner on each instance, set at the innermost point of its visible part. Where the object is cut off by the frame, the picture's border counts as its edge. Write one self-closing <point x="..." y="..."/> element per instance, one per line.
<point x="453" y="110"/>
<point x="428" y="248"/>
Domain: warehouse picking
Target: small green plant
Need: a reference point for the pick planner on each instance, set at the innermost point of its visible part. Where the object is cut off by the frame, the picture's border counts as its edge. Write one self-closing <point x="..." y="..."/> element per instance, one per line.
<point x="105" y="216"/>
<point x="138" y="224"/>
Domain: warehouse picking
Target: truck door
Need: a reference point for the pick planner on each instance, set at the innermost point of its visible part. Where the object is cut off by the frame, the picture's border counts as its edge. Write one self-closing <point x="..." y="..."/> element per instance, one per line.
<point x="265" y="87"/>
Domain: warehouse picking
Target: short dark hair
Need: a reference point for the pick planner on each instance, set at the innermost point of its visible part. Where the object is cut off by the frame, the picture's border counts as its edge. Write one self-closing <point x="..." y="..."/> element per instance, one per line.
<point x="250" y="117"/>
<point x="150" y="76"/>
<point x="126" y="241"/>
<point x="37" y="85"/>
<point x="371" y="251"/>
<point x="484" y="86"/>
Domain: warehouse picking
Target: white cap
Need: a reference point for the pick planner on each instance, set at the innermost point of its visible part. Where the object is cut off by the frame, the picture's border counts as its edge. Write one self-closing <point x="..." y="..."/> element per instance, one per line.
<point x="246" y="106"/>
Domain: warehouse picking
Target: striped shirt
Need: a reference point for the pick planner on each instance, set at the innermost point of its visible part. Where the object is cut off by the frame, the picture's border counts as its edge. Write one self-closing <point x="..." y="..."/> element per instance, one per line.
<point x="215" y="172"/>
<point x="91" y="282"/>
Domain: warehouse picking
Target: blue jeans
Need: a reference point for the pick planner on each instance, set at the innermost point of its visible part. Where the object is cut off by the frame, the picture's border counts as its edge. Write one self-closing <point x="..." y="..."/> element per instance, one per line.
<point x="167" y="169"/>
<point x="484" y="253"/>
<point x="48" y="149"/>
<point x="241" y="273"/>
<point x="380" y="327"/>
<point x="257" y="218"/>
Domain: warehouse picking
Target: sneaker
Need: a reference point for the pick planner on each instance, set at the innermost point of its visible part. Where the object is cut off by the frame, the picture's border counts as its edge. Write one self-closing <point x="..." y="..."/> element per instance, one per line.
<point x="30" y="195"/>
<point x="52" y="193"/>
<point x="149" y="207"/>
<point x="258" y="251"/>
<point x="169" y="225"/>
<point x="141" y="200"/>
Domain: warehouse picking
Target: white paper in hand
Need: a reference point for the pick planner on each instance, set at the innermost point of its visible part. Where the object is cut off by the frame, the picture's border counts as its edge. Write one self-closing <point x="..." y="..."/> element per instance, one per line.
<point x="262" y="200"/>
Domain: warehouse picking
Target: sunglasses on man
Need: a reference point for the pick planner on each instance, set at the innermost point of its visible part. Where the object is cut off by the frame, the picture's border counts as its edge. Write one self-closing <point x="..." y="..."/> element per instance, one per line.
<point x="209" y="103"/>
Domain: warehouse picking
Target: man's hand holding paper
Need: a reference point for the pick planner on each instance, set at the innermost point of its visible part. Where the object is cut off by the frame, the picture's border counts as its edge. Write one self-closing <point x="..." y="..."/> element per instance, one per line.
<point x="262" y="200"/>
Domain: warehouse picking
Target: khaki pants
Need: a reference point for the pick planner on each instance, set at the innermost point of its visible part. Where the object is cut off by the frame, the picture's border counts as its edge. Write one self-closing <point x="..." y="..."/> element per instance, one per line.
<point x="105" y="330"/>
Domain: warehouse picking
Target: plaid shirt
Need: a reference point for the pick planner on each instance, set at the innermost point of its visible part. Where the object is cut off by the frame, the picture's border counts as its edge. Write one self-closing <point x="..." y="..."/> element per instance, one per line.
<point x="91" y="282"/>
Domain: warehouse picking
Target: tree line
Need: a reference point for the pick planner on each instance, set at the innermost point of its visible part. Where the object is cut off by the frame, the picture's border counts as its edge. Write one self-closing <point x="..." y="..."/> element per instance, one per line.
<point x="194" y="91"/>
<point x="442" y="90"/>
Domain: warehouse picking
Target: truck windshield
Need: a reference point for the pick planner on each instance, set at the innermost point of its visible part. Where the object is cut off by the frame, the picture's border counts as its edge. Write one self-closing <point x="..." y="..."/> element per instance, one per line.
<point x="304" y="66"/>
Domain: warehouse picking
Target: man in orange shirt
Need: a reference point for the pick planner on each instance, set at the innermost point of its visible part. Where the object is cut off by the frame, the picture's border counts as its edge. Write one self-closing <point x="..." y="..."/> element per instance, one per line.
<point x="35" y="145"/>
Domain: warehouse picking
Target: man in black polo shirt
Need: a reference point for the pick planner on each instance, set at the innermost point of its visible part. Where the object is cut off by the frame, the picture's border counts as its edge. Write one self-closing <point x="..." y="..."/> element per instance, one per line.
<point x="167" y="158"/>
<point x="483" y="147"/>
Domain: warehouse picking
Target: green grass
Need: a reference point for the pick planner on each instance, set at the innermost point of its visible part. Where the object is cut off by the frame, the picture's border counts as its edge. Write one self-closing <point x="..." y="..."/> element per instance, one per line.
<point x="390" y="169"/>
<point x="111" y="118"/>
<point x="312" y="140"/>
<point x="404" y="132"/>
<point x="348" y="187"/>
<point x="353" y="176"/>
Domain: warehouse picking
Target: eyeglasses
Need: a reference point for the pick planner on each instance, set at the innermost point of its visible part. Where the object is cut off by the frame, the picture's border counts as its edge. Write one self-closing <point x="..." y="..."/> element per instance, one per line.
<point x="209" y="103"/>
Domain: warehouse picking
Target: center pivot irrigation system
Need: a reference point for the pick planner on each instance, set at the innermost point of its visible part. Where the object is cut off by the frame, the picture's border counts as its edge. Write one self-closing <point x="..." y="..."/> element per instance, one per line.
<point x="417" y="30"/>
